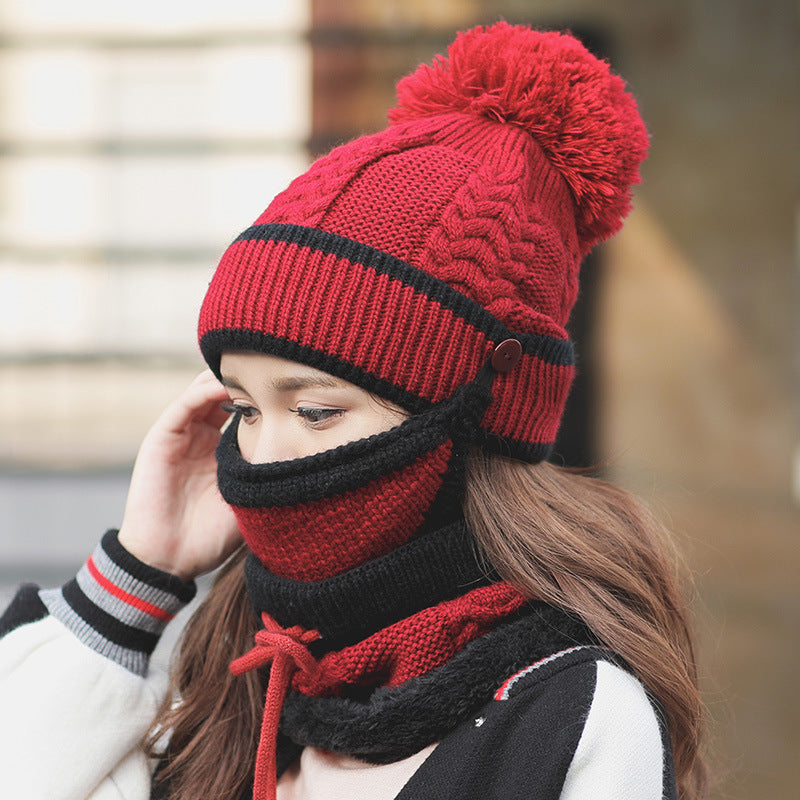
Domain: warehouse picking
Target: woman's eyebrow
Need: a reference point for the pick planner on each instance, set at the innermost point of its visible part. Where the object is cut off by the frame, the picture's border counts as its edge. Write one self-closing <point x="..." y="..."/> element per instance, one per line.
<point x="290" y="383"/>
<point x="293" y="383"/>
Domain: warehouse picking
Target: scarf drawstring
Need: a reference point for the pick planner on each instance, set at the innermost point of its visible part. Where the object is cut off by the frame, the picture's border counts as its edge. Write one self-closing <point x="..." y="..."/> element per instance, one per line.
<point x="285" y="649"/>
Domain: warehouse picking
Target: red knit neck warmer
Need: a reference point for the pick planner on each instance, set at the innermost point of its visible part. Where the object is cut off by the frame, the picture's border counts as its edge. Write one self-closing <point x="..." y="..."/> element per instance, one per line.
<point x="413" y="646"/>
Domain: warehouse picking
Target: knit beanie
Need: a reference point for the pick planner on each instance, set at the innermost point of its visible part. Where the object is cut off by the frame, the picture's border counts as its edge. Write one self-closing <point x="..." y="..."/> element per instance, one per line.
<point x="405" y="261"/>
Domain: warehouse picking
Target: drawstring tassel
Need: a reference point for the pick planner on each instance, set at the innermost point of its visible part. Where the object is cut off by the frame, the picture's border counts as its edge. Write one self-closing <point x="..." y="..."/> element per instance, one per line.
<point x="285" y="649"/>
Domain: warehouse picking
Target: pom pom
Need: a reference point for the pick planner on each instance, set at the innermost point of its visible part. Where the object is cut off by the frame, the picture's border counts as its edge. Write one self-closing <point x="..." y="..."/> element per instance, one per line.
<point x="569" y="101"/>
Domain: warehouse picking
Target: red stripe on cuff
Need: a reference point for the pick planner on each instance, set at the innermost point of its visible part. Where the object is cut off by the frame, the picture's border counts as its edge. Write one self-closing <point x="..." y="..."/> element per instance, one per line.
<point x="126" y="597"/>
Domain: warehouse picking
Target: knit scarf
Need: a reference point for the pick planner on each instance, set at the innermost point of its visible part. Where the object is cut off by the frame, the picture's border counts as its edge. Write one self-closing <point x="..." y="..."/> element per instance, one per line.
<point x="410" y="645"/>
<point x="391" y="619"/>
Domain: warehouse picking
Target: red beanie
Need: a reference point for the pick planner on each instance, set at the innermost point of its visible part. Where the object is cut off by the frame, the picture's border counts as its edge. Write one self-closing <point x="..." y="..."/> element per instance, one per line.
<point x="401" y="260"/>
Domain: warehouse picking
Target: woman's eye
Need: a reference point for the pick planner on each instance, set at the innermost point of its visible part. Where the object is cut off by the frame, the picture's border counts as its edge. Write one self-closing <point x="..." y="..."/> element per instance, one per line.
<point x="317" y="417"/>
<point x="246" y="412"/>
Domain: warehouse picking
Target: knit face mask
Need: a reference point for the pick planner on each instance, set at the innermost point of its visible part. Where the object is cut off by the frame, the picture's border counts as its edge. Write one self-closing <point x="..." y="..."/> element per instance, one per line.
<point x="314" y="517"/>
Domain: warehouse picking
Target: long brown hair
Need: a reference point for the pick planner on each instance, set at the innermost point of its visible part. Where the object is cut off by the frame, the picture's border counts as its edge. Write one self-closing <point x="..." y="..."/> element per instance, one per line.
<point x="576" y="542"/>
<point x="212" y="718"/>
<point x="589" y="547"/>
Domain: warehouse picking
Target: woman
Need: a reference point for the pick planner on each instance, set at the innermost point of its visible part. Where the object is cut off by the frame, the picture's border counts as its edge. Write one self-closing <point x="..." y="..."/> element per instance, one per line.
<point x="443" y="613"/>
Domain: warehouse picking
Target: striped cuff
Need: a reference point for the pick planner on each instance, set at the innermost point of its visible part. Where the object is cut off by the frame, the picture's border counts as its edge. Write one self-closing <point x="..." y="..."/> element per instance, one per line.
<point x="117" y="605"/>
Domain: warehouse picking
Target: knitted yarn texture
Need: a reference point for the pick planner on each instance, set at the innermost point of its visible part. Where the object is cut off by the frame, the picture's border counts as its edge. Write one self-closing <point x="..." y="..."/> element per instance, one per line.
<point x="409" y="644"/>
<point x="401" y="260"/>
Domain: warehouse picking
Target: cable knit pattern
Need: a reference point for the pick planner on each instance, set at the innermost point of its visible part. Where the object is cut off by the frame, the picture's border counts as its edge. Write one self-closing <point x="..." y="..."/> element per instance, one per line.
<point x="310" y="195"/>
<point x="547" y="83"/>
<point x="489" y="236"/>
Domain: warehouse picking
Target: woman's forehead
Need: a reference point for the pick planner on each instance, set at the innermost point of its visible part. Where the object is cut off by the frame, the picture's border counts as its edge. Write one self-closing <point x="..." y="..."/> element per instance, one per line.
<point x="275" y="372"/>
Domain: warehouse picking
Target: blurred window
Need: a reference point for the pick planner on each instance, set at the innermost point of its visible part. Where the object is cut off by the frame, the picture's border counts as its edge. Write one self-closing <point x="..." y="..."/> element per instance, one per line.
<point x="135" y="142"/>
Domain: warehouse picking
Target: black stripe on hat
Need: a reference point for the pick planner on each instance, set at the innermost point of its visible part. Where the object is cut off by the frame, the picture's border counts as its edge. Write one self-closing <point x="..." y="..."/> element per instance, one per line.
<point x="549" y="349"/>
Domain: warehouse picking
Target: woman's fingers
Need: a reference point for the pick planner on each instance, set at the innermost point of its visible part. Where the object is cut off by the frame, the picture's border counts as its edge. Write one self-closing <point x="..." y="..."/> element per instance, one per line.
<point x="175" y="518"/>
<point x="200" y="402"/>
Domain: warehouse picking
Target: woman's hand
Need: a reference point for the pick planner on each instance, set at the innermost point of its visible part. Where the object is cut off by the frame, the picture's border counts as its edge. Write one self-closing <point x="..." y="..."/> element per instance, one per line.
<point x="175" y="518"/>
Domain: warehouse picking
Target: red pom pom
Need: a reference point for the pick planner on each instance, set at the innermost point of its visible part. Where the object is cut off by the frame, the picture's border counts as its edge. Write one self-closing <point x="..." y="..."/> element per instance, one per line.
<point x="577" y="110"/>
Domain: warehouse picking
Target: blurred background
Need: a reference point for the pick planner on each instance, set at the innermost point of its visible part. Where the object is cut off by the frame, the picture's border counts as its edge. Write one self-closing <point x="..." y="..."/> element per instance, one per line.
<point x="136" y="140"/>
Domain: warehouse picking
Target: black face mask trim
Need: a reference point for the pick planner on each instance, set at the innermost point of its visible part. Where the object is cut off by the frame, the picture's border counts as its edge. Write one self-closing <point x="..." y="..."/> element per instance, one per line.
<point x="334" y="471"/>
<point x="352" y="465"/>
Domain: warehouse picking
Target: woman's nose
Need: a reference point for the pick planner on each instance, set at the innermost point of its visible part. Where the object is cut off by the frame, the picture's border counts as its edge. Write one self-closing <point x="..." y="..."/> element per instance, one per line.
<point x="270" y="443"/>
<point x="271" y="446"/>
